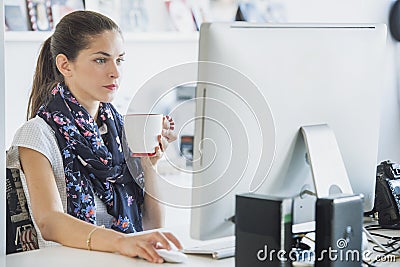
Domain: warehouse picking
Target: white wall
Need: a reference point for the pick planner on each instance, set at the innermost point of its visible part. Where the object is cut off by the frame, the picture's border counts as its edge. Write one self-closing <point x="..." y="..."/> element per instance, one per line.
<point x="362" y="11"/>
<point x="2" y="138"/>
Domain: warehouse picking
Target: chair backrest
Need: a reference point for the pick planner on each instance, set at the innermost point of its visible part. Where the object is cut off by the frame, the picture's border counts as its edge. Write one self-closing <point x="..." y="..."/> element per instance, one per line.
<point x="21" y="234"/>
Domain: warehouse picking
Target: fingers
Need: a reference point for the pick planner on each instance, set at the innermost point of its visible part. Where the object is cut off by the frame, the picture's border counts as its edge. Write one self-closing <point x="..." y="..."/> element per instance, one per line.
<point x="168" y="123"/>
<point x="148" y="253"/>
<point x="159" y="152"/>
<point x="163" y="143"/>
<point x="173" y="239"/>
<point x="151" y="254"/>
<point x="145" y="245"/>
<point x="143" y="154"/>
<point x="158" y="240"/>
<point x="141" y="245"/>
<point x="169" y="135"/>
<point x="162" y="240"/>
<point x="168" y="128"/>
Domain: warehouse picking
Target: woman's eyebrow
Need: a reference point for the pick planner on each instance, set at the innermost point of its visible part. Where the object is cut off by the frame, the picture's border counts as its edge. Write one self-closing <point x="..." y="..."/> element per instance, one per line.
<point x="107" y="54"/>
<point x="102" y="53"/>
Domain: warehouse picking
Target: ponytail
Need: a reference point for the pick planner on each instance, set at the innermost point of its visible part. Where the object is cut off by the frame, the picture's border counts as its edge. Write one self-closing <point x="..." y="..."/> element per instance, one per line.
<point x="44" y="80"/>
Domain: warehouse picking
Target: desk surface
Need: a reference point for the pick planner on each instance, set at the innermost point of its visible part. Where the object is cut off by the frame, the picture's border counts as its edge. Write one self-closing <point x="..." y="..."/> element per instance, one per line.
<point x="63" y="256"/>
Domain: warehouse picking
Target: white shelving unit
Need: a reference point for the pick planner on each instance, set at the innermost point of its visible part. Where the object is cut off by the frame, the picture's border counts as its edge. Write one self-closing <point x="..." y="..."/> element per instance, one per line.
<point x="32" y="36"/>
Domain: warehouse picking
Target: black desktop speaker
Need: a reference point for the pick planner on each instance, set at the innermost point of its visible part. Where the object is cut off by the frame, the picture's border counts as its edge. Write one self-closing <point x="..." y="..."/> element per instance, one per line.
<point x="394" y="20"/>
<point x="263" y="229"/>
<point x="338" y="235"/>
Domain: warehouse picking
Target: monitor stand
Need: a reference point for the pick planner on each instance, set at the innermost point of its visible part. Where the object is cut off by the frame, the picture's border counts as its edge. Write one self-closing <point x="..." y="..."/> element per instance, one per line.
<point x="327" y="167"/>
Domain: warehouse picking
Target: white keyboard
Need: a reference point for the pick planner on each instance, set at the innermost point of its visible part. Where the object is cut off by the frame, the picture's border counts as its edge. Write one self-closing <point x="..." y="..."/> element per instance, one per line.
<point x="217" y="248"/>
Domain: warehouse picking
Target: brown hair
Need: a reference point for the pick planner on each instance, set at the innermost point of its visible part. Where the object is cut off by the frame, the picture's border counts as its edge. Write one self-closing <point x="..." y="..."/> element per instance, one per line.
<point x="72" y="34"/>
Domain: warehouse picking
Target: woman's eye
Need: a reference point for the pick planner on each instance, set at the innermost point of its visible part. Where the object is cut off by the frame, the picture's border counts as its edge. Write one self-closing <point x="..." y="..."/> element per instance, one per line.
<point x="101" y="60"/>
<point x="120" y="60"/>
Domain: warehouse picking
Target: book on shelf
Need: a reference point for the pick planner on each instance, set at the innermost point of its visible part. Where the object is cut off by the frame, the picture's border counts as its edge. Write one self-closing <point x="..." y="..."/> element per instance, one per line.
<point x="16" y="16"/>
<point x="110" y="8"/>
<point x="60" y="8"/>
<point x="39" y="13"/>
<point x="181" y="15"/>
<point x="201" y="12"/>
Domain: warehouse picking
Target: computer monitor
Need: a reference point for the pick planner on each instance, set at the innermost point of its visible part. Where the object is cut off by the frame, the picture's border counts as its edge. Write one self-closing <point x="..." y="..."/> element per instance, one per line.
<point x="258" y="85"/>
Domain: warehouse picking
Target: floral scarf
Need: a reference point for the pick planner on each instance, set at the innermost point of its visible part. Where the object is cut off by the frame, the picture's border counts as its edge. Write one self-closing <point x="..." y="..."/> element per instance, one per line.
<point x="95" y="163"/>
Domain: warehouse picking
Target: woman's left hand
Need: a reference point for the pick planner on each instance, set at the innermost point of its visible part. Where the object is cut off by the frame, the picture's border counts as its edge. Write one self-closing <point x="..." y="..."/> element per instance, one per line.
<point x="167" y="136"/>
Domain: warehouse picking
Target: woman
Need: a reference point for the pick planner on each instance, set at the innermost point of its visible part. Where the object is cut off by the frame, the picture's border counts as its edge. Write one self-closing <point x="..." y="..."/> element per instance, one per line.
<point x="70" y="150"/>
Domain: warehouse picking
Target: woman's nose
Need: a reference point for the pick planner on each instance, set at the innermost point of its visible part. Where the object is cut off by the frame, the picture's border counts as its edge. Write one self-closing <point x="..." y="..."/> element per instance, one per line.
<point x="115" y="71"/>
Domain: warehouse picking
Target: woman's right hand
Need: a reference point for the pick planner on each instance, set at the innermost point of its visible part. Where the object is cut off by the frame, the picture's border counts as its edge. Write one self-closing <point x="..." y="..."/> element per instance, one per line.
<point x="144" y="245"/>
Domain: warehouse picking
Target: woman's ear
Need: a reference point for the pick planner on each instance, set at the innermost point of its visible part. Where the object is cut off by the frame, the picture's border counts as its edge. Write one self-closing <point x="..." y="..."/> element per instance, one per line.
<point x="63" y="65"/>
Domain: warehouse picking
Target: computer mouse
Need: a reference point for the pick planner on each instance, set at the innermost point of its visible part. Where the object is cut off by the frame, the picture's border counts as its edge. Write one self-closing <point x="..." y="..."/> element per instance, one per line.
<point x="172" y="255"/>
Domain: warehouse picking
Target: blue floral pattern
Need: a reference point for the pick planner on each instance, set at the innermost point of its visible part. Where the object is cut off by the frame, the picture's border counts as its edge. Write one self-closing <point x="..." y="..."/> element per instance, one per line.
<point x="93" y="162"/>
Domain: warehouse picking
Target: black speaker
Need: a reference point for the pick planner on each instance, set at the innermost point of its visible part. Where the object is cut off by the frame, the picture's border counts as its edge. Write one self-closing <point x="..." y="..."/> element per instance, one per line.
<point x="263" y="229"/>
<point x="394" y="20"/>
<point x="338" y="227"/>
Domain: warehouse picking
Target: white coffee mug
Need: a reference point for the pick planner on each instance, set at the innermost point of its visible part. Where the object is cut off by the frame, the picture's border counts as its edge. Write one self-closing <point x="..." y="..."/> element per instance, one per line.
<point x="142" y="131"/>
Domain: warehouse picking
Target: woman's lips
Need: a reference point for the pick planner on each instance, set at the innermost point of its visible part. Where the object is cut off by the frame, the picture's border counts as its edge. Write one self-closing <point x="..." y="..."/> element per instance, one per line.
<point x="111" y="87"/>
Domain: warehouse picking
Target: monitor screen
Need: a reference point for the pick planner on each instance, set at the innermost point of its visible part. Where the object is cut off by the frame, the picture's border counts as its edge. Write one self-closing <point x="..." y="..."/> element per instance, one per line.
<point x="257" y="86"/>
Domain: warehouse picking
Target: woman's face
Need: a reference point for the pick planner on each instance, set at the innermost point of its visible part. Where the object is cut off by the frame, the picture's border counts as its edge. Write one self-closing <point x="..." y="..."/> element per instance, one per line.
<point x="95" y="73"/>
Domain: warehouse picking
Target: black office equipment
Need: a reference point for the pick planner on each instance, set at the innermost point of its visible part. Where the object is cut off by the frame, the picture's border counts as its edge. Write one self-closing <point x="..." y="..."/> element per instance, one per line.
<point x="394" y="20"/>
<point x="263" y="230"/>
<point x="387" y="194"/>
<point x="339" y="231"/>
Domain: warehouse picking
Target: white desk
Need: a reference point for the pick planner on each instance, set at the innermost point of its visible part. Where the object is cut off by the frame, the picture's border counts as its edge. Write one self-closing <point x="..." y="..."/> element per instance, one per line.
<point x="60" y="256"/>
<point x="63" y="256"/>
<point x="387" y="232"/>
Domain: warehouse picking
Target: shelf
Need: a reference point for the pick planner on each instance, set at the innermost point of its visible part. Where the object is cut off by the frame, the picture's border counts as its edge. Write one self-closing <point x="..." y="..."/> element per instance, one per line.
<point x="32" y="36"/>
<point x="162" y="37"/>
<point x="26" y="36"/>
